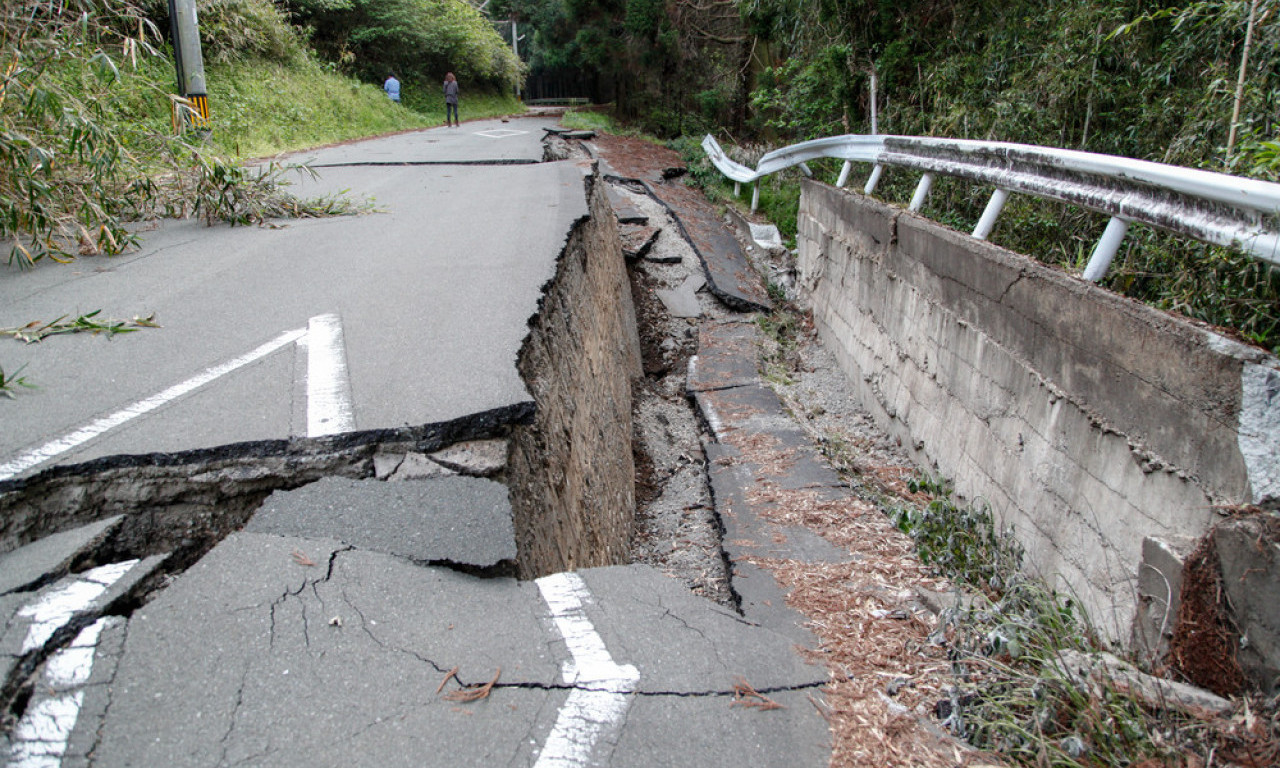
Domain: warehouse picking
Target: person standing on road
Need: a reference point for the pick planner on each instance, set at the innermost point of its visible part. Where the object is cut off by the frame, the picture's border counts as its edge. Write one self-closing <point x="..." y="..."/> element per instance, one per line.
<point x="392" y="87"/>
<point x="451" y="99"/>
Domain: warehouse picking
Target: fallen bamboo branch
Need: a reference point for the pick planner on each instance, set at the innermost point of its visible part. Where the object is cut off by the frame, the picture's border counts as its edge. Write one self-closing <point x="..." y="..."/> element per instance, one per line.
<point x="471" y="693"/>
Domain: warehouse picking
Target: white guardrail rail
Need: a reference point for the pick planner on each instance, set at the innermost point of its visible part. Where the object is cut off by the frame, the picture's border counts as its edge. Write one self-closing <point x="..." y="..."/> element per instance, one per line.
<point x="1210" y="207"/>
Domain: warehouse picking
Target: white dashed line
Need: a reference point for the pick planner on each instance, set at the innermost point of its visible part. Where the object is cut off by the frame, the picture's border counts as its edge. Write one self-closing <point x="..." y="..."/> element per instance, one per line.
<point x="603" y="688"/>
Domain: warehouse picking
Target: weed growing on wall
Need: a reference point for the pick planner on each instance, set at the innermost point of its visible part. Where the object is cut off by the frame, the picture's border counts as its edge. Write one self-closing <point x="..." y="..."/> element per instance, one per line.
<point x="1013" y="642"/>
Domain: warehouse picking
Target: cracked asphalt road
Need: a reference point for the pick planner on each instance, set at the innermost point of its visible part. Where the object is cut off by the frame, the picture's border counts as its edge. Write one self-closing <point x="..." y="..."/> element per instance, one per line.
<point x="337" y="646"/>
<point x="252" y="658"/>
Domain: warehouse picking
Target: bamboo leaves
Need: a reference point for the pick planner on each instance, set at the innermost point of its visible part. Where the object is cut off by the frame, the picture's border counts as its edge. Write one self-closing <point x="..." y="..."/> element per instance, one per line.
<point x="37" y="331"/>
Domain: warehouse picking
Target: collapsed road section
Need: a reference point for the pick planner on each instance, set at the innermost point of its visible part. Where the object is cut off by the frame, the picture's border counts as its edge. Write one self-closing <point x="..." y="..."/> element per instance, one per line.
<point x="309" y="597"/>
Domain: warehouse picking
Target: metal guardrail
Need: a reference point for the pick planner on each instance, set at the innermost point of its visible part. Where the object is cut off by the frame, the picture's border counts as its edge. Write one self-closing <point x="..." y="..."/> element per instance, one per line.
<point x="1209" y="207"/>
<point x="568" y="101"/>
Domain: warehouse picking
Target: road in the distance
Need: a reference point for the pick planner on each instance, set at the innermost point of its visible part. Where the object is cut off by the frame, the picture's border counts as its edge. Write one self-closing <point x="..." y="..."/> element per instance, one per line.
<point x="425" y="301"/>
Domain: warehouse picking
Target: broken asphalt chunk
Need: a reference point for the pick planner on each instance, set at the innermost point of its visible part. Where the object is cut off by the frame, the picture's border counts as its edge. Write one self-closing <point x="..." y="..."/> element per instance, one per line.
<point x="50" y="558"/>
<point x="458" y="520"/>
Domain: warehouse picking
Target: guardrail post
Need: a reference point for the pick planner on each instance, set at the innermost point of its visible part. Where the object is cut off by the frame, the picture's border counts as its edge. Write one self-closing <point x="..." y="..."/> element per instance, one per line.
<point x="922" y="192"/>
<point x="992" y="212"/>
<point x="1106" y="249"/>
<point x="844" y="173"/>
<point x="755" y="196"/>
<point x="737" y="189"/>
<point x="873" y="179"/>
<point x="804" y="168"/>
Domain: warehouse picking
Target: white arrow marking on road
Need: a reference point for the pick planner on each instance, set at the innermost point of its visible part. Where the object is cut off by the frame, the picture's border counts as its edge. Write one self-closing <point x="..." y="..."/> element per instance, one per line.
<point x="604" y="688"/>
<point x="96" y="428"/>
<point x="329" y="410"/>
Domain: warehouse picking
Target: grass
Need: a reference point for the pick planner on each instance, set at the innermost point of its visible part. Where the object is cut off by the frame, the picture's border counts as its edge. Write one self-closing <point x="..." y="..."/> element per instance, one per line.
<point x="261" y="108"/>
<point x="251" y="118"/>
<point x="596" y="118"/>
<point x="10" y="382"/>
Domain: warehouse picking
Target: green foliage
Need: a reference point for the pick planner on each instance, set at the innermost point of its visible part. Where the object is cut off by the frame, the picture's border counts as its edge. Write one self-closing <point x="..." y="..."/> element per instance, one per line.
<point x="1218" y="286"/>
<point x="780" y="203"/>
<point x="9" y="382"/>
<point x="36" y="331"/>
<point x="591" y="120"/>
<point x="700" y="170"/>
<point x="805" y="98"/>
<point x="235" y="194"/>
<point x="234" y="30"/>
<point x="419" y="40"/>
<point x="962" y="542"/>
<point x="1125" y="77"/>
<point x="85" y="144"/>
<point x="1009" y="645"/>
<point x="65" y="173"/>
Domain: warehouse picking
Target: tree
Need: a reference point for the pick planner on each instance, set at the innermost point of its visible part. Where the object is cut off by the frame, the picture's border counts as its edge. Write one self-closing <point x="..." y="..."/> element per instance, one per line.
<point x="420" y="40"/>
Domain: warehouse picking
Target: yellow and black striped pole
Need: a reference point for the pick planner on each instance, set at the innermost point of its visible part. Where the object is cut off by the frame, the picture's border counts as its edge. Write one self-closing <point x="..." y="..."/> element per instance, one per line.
<point x="192" y="110"/>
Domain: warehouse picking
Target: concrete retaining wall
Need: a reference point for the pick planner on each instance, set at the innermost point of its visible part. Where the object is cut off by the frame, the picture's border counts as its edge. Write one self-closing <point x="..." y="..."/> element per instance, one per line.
<point x="1086" y="420"/>
<point x="571" y="472"/>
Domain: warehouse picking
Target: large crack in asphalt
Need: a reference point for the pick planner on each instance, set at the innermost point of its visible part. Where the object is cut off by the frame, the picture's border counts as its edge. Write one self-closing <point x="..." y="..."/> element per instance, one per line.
<point x="413" y="163"/>
<point x="185" y="503"/>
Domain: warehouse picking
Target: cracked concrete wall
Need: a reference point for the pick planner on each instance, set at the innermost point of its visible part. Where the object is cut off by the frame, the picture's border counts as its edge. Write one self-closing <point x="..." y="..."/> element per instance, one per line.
<point x="571" y="471"/>
<point x="1086" y="420"/>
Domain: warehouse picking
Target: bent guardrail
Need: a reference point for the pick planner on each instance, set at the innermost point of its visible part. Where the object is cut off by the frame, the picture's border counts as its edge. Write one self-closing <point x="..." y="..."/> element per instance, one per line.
<point x="1210" y="207"/>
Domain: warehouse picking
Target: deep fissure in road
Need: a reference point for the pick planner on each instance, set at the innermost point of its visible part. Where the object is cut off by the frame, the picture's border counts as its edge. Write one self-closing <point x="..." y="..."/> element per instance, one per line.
<point x="570" y="468"/>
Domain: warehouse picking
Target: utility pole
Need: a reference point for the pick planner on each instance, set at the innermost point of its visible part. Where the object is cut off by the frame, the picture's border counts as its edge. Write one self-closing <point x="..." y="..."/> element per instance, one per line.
<point x="189" y="62"/>
<point x="515" y="47"/>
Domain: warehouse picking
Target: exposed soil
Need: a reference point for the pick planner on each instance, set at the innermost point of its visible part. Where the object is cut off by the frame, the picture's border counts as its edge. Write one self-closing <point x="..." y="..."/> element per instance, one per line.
<point x="873" y="633"/>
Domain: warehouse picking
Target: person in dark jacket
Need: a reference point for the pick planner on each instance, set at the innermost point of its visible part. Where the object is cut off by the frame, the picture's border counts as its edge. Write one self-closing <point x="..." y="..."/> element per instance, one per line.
<point x="451" y="99"/>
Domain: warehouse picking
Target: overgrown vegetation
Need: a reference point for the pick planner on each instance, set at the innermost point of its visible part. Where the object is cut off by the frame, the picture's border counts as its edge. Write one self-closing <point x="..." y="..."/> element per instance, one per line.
<point x="418" y="40"/>
<point x="87" y="147"/>
<point x="1162" y="81"/>
<point x="1015" y="647"/>
<point x="85" y="139"/>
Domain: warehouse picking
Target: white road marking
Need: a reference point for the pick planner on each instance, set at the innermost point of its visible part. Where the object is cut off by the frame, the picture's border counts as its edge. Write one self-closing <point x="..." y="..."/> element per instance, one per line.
<point x="51" y="612"/>
<point x="40" y="738"/>
<point x="94" y="429"/>
<point x="500" y="133"/>
<point x="71" y="666"/>
<point x="329" y="410"/>
<point x="604" y="689"/>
